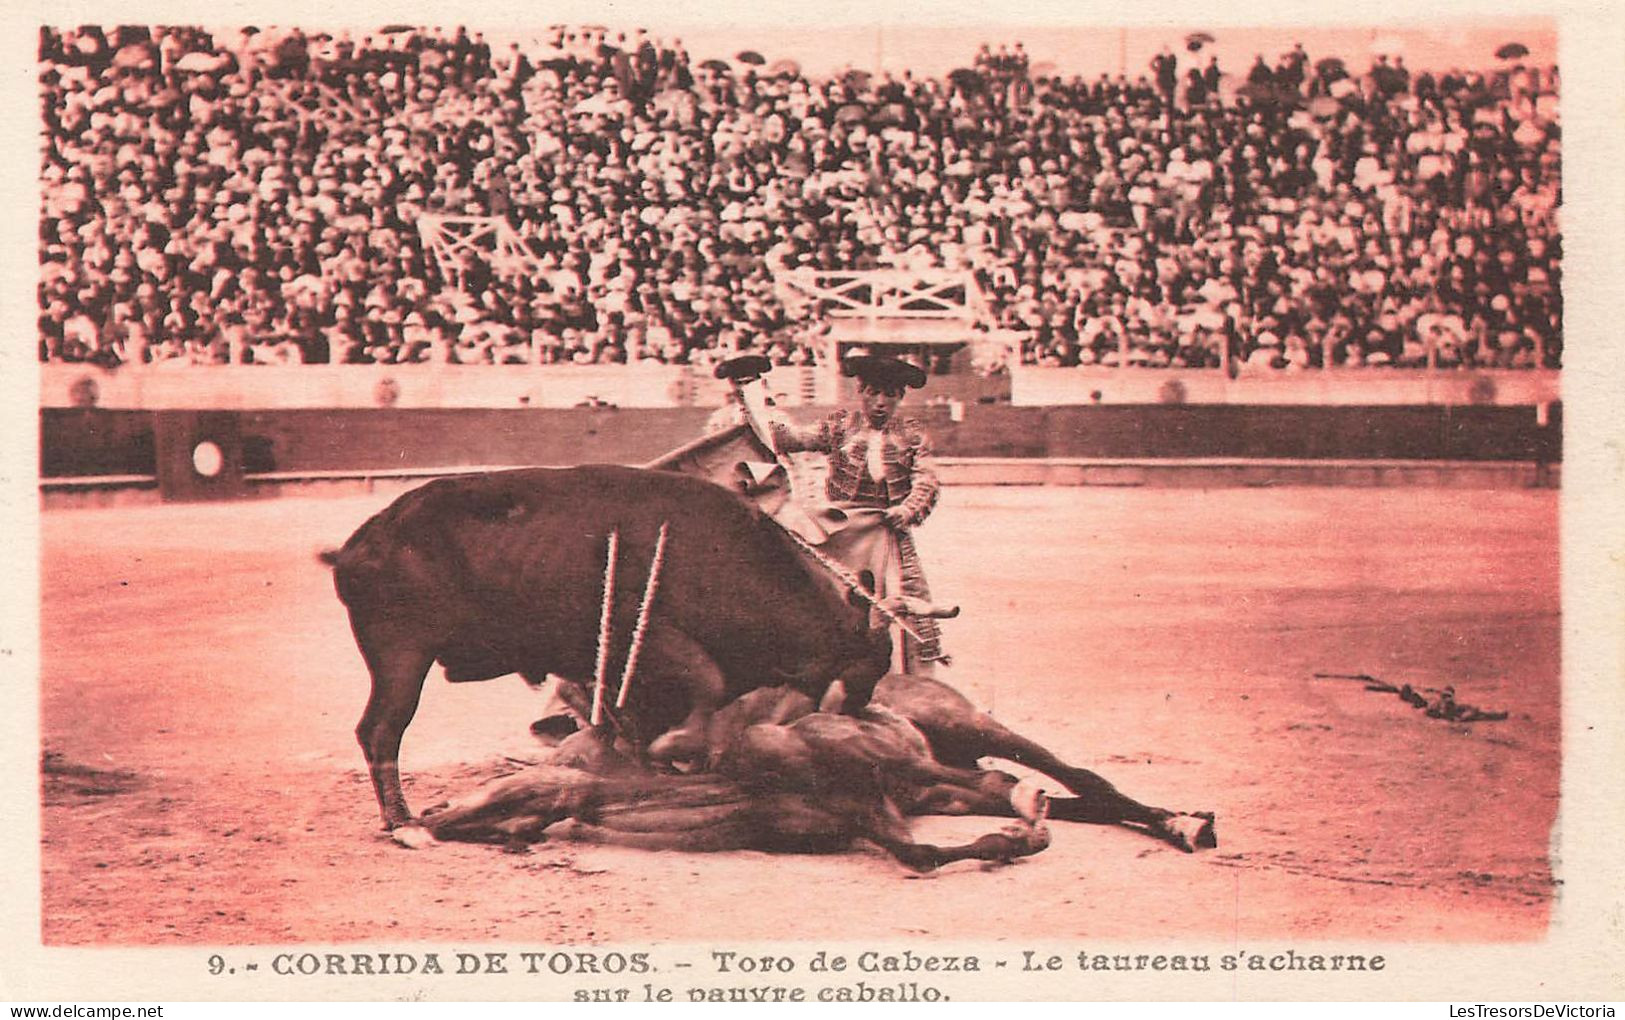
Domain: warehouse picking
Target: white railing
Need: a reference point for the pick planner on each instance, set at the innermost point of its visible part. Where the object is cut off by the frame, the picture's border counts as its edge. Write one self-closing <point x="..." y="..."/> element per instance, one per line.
<point x="884" y="293"/>
<point x="489" y="238"/>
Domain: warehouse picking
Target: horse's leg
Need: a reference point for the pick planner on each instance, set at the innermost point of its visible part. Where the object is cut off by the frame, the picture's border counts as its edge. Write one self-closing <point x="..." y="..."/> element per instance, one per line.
<point x="996" y="798"/>
<point x="398" y="660"/>
<point x="1098" y="802"/>
<point x="924" y="771"/>
<point x="960" y="735"/>
<point x="1003" y="847"/>
<point x="889" y="830"/>
<point x="992" y="794"/>
<point x="515" y="809"/>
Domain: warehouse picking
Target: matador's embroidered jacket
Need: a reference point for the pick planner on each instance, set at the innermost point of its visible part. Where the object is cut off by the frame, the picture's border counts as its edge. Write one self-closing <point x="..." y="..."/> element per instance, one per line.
<point x="887" y="467"/>
<point x="870" y="467"/>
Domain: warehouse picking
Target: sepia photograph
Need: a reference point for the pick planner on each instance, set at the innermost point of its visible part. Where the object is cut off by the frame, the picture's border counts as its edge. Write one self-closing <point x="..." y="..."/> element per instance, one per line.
<point x="547" y="488"/>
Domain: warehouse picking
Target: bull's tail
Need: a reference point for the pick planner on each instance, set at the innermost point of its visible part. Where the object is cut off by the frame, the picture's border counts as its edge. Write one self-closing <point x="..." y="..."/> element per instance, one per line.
<point x="328" y="556"/>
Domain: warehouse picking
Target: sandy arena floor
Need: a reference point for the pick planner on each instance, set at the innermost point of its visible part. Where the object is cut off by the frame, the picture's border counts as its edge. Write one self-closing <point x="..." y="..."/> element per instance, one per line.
<point x="203" y="785"/>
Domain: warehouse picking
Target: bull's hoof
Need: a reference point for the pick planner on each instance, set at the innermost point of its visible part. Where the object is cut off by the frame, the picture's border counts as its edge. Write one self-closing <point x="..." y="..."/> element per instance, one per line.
<point x="412" y="836"/>
<point x="1188" y="832"/>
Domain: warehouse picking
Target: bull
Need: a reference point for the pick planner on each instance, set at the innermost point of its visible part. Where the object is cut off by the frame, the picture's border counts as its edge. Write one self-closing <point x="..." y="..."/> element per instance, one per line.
<point x="503" y="572"/>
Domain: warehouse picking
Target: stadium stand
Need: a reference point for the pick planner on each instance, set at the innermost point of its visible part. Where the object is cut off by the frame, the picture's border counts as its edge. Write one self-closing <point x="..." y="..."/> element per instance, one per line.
<point x="262" y="197"/>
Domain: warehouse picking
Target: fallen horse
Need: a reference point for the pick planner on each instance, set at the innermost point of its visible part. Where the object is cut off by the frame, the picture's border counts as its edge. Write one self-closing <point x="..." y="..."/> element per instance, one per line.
<point x="671" y="811"/>
<point x="786" y="777"/>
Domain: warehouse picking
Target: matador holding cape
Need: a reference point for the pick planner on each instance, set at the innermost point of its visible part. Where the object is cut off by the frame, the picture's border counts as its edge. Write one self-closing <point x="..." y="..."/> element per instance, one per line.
<point x="880" y="486"/>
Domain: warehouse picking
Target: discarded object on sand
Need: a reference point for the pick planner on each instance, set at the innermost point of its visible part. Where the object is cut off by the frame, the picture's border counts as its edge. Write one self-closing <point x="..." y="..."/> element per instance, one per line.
<point x="1435" y="702"/>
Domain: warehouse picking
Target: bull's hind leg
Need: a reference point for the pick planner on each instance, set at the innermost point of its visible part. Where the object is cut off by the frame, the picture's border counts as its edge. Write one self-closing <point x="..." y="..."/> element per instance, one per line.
<point x="677" y="660"/>
<point x="398" y="662"/>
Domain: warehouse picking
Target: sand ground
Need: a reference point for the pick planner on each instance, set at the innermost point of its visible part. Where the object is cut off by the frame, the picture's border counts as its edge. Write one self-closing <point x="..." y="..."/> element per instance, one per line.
<point x="203" y="785"/>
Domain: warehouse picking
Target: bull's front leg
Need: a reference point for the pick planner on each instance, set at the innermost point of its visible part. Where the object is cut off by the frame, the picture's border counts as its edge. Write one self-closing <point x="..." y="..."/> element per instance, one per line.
<point x="671" y="657"/>
<point x="397" y="660"/>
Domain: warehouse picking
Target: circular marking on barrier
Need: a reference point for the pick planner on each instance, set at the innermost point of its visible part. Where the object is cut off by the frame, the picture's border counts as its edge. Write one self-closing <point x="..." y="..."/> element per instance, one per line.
<point x="84" y="392"/>
<point x="207" y="459"/>
<point x="1482" y="392"/>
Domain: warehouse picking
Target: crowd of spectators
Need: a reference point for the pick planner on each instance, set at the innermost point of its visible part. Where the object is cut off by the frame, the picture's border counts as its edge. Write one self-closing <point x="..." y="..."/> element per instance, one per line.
<point x="255" y="197"/>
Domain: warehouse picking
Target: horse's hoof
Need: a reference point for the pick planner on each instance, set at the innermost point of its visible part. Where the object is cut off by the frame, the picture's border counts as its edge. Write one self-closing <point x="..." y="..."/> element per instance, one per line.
<point x="1189" y="832"/>
<point x="1207" y="837"/>
<point x="1031" y="803"/>
<point x="1026" y="840"/>
<point x="412" y="836"/>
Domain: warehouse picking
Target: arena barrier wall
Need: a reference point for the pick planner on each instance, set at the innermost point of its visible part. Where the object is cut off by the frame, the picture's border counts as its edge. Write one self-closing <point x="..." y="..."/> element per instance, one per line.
<point x="199" y="455"/>
<point x="1047" y="387"/>
<point x="265" y="387"/>
<point x="87" y="450"/>
<point x="1156" y="432"/>
<point x="287" y="387"/>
